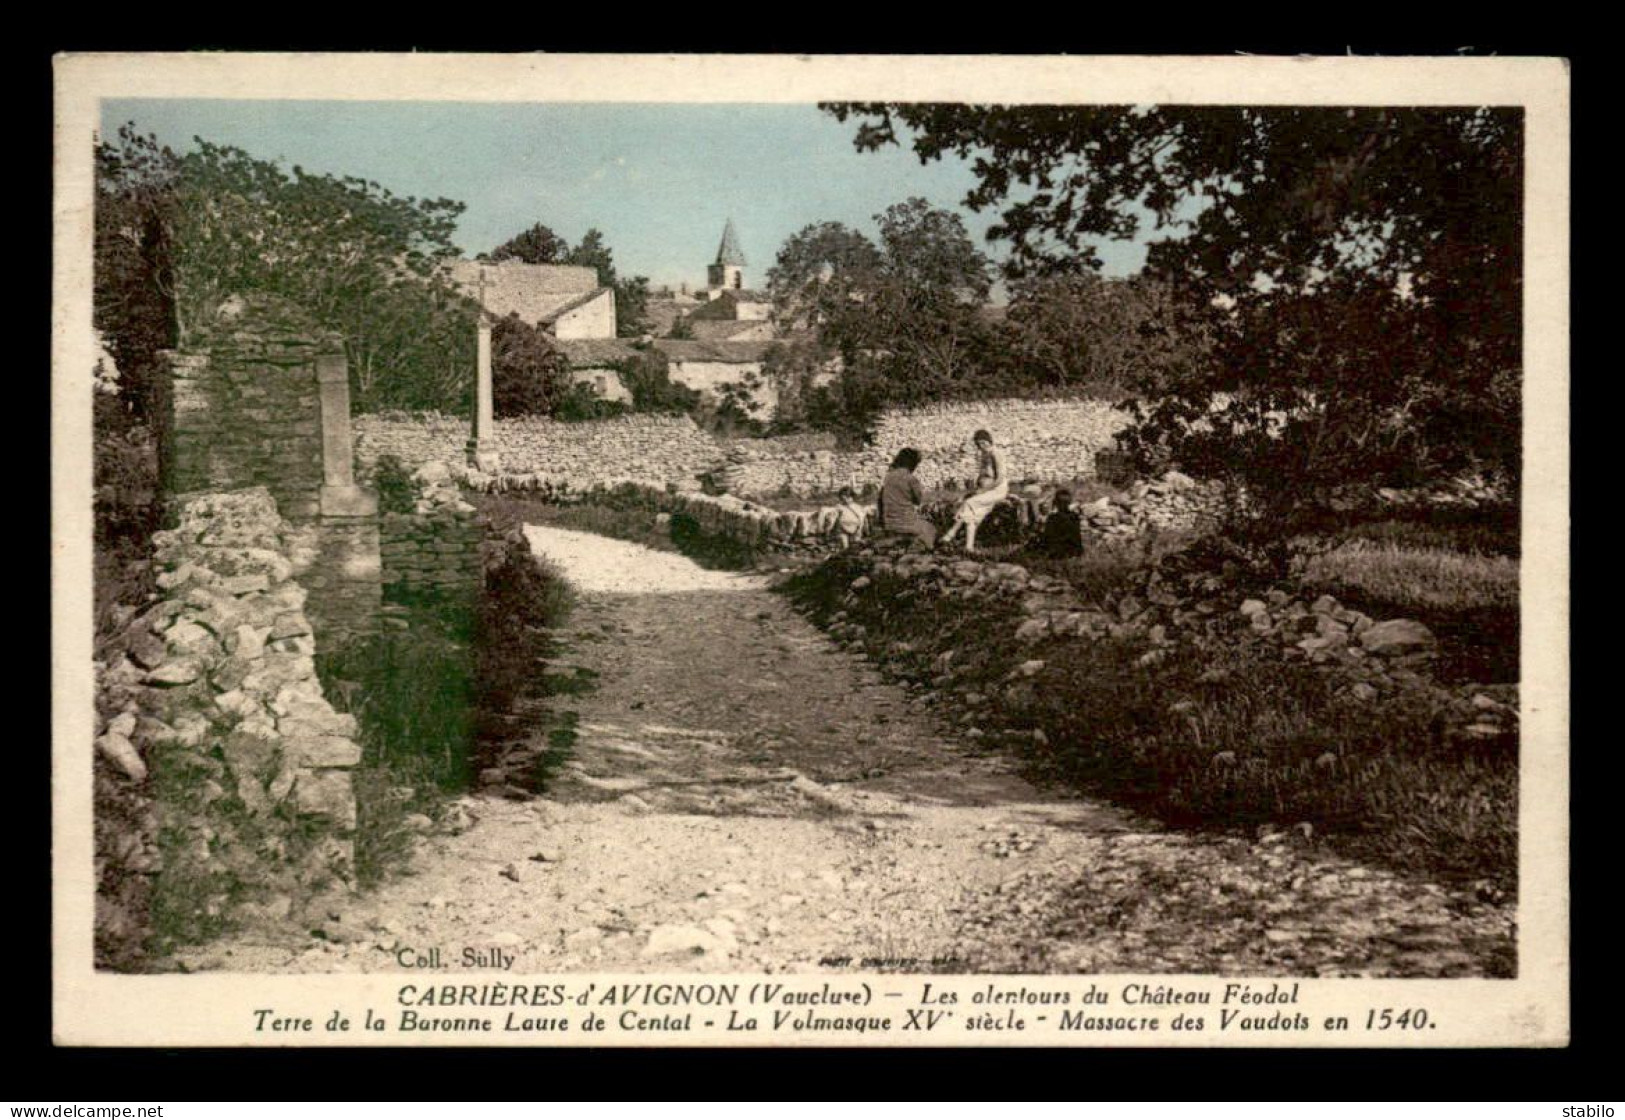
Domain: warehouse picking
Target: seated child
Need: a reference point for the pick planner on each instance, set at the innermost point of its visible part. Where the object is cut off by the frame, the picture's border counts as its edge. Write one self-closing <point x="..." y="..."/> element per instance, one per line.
<point x="1062" y="534"/>
<point x="849" y="522"/>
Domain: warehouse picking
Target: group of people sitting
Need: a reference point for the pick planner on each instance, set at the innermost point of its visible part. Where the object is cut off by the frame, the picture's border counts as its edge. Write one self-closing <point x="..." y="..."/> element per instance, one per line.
<point x="901" y="499"/>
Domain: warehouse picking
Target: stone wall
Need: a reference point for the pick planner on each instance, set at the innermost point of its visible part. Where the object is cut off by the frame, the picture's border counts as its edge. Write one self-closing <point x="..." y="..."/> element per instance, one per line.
<point x="260" y="398"/>
<point x="247" y="411"/>
<point x="1046" y="441"/>
<point x="433" y="552"/>
<point x="1189" y="600"/>
<point x="343" y="579"/>
<point x="653" y="449"/>
<point x="213" y="690"/>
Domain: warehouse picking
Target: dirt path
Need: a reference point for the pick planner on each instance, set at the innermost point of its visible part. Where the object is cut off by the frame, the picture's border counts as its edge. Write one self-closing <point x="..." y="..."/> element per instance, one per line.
<point x="746" y="796"/>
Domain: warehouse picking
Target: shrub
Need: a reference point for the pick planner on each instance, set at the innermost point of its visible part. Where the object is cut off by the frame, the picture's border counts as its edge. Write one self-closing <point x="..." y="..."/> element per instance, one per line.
<point x="397" y="493"/>
<point x="529" y="376"/>
<point x="647" y="377"/>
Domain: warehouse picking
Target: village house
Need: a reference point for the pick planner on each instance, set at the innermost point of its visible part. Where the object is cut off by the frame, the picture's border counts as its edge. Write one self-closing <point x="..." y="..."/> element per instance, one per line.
<point x="726" y="329"/>
<point x="565" y="300"/>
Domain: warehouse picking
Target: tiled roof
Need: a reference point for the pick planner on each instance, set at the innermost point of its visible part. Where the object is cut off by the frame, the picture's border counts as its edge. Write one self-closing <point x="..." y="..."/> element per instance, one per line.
<point x="587" y="352"/>
<point x="579" y="301"/>
<point x="729" y="252"/>
<point x="698" y="350"/>
<point x="726" y="305"/>
<point x="717" y="330"/>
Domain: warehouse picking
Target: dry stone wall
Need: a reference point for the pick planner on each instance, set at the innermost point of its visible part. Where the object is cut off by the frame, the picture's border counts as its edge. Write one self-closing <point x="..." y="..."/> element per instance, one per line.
<point x="433" y="553"/>
<point x="1047" y="441"/>
<point x="211" y="693"/>
<point x="1181" y="601"/>
<point x="246" y="413"/>
<point x="651" y="449"/>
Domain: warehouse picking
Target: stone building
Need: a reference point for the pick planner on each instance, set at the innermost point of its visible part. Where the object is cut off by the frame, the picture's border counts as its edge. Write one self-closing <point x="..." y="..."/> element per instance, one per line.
<point x="714" y="367"/>
<point x="592" y="363"/>
<point x="727" y="272"/>
<point x="565" y="300"/>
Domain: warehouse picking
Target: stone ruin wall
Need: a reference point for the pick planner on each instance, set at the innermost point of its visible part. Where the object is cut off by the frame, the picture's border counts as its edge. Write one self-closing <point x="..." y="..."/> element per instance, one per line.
<point x="214" y="688"/>
<point x="261" y="399"/>
<point x="210" y="713"/>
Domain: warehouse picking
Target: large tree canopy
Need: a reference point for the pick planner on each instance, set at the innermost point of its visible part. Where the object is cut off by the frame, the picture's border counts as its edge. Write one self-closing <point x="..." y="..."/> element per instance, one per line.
<point x="1361" y="268"/>
<point x="900" y="317"/>
<point x="1076" y="331"/>
<point x="178" y="233"/>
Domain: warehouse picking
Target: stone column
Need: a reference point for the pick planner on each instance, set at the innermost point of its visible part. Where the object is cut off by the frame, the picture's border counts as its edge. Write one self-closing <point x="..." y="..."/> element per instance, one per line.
<point x="340" y="496"/>
<point x="482" y="452"/>
<point x="344" y="580"/>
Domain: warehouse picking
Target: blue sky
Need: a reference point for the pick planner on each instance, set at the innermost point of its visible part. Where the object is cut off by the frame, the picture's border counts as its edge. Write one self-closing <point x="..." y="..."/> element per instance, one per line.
<point x="658" y="179"/>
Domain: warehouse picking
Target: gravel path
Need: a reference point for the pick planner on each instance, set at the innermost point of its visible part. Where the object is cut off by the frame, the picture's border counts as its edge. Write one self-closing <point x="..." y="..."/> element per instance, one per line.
<point x="745" y="796"/>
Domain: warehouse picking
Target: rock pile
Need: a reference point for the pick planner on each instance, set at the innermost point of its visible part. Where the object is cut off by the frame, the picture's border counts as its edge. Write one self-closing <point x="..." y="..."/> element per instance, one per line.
<point x="211" y="692"/>
<point x="1174" y="501"/>
<point x="1472" y="491"/>
<point x="1185" y="601"/>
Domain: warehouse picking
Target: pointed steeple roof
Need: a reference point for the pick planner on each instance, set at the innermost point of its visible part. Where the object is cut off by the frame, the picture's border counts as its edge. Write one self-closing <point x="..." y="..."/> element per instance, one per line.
<point x="729" y="252"/>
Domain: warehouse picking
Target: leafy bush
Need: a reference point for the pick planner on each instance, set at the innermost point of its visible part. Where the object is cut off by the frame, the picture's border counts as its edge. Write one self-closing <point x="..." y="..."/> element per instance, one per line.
<point x="397" y="493"/>
<point x="177" y="233"/>
<point x="529" y="376"/>
<point x="647" y="377"/>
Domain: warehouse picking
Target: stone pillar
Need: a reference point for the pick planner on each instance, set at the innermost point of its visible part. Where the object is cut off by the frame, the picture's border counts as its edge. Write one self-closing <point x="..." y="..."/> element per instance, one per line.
<point x="482" y="452"/>
<point x="344" y="582"/>
<point x="340" y="496"/>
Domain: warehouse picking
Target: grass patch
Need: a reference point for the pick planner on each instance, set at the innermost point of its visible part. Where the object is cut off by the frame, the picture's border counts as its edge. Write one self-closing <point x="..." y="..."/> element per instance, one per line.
<point x="412" y="694"/>
<point x="1407" y="577"/>
<point x="439" y="700"/>
<point x="1220" y="737"/>
<point x="1468" y="599"/>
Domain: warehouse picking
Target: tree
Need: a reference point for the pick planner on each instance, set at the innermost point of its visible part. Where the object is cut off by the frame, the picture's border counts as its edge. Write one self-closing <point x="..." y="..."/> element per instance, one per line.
<point x="536" y="245"/>
<point x="1360" y="269"/>
<point x="900" y="319"/>
<point x="529" y="377"/>
<point x="1074" y="331"/>
<point x="362" y="261"/>
<point x="818" y="271"/>
<point x="929" y="255"/>
<point x="133" y="278"/>
<point x="647" y="376"/>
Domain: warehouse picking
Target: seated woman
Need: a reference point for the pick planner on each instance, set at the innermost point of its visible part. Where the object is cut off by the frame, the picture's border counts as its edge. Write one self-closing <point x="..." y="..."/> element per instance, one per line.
<point x="900" y="499"/>
<point x="992" y="487"/>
